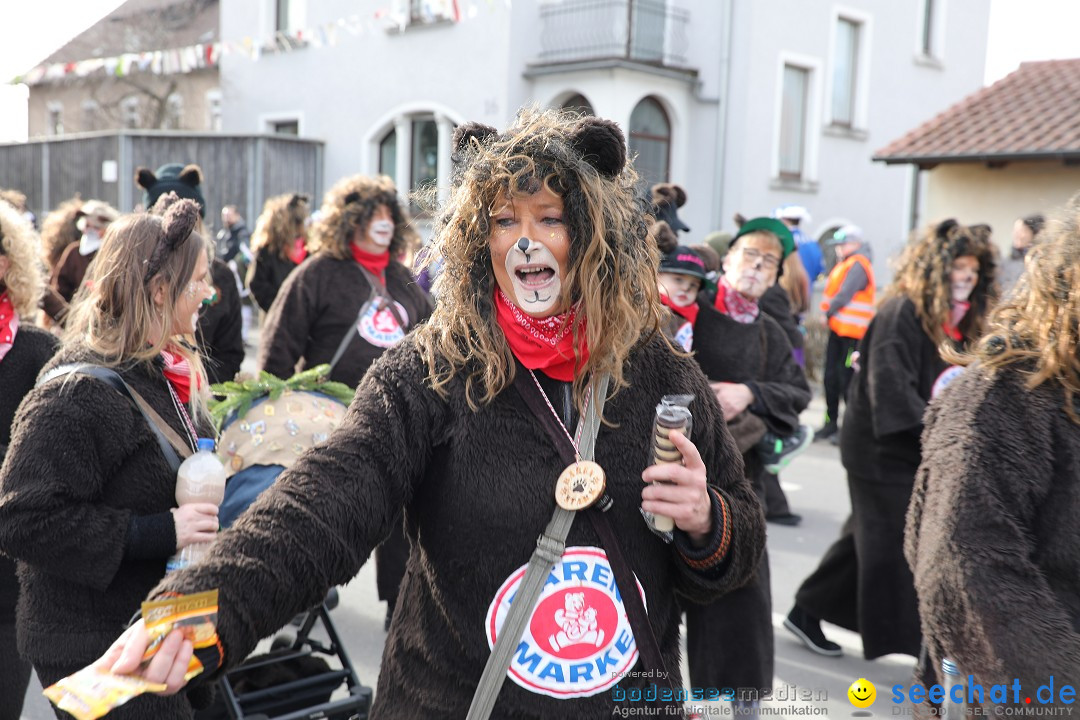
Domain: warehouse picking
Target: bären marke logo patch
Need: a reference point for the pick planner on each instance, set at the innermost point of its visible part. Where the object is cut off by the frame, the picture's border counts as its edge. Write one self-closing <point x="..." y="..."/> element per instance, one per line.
<point x="578" y="641"/>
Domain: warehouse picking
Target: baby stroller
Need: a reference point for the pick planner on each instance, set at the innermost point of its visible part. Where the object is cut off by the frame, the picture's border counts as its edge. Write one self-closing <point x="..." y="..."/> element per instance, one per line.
<point x="307" y="663"/>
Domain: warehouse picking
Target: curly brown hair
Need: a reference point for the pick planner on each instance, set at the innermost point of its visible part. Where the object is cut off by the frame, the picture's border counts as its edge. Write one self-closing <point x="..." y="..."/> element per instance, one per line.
<point x="611" y="273"/>
<point x="349" y="206"/>
<point x="922" y="275"/>
<point x="59" y="230"/>
<point x="1036" y="328"/>
<point x="23" y="280"/>
<point x="280" y="223"/>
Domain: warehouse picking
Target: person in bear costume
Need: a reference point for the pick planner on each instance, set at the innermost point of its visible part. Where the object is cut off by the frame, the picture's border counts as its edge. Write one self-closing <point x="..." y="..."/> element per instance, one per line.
<point x="184" y="180"/>
<point x="550" y="280"/>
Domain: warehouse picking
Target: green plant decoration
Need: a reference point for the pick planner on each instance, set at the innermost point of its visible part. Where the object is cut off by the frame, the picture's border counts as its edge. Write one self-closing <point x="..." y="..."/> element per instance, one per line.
<point x="238" y="397"/>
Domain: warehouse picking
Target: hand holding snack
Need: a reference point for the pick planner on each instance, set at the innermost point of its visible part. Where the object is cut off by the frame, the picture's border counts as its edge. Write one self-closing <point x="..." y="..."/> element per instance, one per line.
<point x="680" y="491"/>
<point x="156" y="654"/>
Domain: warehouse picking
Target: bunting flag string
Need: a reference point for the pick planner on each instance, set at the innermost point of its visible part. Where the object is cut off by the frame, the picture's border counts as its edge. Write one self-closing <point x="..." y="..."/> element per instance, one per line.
<point x="189" y="59"/>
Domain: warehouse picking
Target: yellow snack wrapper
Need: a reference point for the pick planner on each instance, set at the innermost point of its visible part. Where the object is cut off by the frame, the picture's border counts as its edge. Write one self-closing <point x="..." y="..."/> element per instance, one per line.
<point x="92" y="692"/>
<point x="194" y="615"/>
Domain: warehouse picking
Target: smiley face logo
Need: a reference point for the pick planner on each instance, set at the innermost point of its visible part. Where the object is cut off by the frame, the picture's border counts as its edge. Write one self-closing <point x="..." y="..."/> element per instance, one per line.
<point x="862" y="693"/>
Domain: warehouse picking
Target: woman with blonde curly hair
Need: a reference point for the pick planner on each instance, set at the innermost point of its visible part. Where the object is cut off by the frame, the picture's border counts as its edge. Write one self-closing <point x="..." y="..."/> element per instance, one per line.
<point x="24" y="350"/>
<point x="945" y="280"/>
<point x="549" y="290"/>
<point x="990" y="535"/>
<point x="278" y="244"/>
<point x="88" y="508"/>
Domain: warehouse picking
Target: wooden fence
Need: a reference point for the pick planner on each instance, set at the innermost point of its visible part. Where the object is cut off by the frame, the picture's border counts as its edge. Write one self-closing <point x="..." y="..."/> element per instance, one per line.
<point x="241" y="170"/>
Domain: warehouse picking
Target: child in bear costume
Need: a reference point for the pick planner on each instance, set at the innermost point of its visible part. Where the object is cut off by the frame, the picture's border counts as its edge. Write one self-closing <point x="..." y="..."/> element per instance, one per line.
<point x="549" y="279"/>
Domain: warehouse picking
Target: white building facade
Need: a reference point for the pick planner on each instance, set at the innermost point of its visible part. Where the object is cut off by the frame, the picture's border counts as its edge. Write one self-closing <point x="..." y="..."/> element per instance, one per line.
<point x="748" y="104"/>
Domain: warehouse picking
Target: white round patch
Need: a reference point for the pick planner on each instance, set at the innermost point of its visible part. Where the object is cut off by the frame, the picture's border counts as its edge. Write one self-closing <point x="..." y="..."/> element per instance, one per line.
<point x="947" y="376"/>
<point x="578" y="641"/>
<point x="380" y="327"/>
<point x="684" y="338"/>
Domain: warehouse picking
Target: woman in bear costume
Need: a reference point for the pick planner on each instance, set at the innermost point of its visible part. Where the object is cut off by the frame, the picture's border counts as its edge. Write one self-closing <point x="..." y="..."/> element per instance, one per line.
<point x="24" y="349"/>
<point x="279" y="246"/>
<point x="991" y="532"/>
<point x="549" y="275"/>
<point x="88" y="506"/>
<point x="944" y="281"/>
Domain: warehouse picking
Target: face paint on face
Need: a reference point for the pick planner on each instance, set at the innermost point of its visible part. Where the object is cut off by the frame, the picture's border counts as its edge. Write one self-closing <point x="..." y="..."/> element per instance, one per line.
<point x="198" y="289"/>
<point x="964" y="276"/>
<point x="752" y="266"/>
<point x="530" y="248"/>
<point x="681" y="290"/>
<point x="379" y="233"/>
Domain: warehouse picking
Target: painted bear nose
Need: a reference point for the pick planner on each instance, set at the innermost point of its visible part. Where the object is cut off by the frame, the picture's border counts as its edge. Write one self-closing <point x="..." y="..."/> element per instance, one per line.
<point x="523" y="244"/>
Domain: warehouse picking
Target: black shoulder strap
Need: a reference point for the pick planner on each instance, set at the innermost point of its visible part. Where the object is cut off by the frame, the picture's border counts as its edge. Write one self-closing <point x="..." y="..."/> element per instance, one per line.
<point x="112" y="378"/>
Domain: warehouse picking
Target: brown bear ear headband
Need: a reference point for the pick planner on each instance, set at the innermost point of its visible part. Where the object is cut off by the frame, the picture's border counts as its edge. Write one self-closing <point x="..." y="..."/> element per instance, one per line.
<point x="178" y="220"/>
<point x="599" y="142"/>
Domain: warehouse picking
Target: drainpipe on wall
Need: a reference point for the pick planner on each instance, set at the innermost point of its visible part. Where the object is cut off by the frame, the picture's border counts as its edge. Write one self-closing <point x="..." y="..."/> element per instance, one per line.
<point x="727" y="11"/>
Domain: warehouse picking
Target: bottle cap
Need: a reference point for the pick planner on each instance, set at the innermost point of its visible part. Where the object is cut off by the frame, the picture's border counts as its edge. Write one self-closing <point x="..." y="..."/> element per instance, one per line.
<point x="207" y="444"/>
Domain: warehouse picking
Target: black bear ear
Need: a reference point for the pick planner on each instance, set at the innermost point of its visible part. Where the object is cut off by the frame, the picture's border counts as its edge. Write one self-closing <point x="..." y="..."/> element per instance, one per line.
<point x="144" y="178"/>
<point x="463" y="134"/>
<point x="666" y="239"/>
<point x="601" y="144"/>
<point x="191" y="175"/>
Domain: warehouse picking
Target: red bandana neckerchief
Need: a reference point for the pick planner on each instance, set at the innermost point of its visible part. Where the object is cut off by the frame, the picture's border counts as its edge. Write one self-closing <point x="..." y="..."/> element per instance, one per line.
<point x="178" y="373"/>
<point x="9" y="324"/>
<point x="373" y="263"/>
<point x="689" y="312"/>
<point x="952" y="324"/>
<point x="540" y="344"/>
<point x="298" y="251"/>
<point x="734" y="305"/>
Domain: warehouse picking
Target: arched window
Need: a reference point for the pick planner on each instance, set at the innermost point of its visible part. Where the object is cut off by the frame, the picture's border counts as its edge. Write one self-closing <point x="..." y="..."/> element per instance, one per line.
<point x="579" y="103"/>
<point x="650" y="140"/>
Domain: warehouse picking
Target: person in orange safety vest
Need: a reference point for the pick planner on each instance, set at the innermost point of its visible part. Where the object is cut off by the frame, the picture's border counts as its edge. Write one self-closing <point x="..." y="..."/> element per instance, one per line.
<point x="848" y="305"/>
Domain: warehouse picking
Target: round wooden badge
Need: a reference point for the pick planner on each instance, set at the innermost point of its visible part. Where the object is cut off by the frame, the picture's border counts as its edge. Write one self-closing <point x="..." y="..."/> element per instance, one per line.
<point x="580" y="485"/>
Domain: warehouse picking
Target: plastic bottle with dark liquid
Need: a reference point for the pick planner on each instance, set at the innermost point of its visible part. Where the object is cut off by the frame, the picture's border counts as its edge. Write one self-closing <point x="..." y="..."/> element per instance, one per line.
<point x="200" y="479"/>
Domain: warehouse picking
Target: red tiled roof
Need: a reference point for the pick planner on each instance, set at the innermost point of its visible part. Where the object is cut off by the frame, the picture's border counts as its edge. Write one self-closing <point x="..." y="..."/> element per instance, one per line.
<point x="1032" y="113"/>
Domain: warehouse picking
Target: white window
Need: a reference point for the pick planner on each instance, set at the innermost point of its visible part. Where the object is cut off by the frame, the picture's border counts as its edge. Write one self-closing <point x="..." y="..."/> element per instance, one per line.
<point x="174" y="112"/>
<point x="578" y="103"/>
<point x="91" y="116"/>
<point x="129" y="112"/>
<point x="849" y="76"/>
<point x="54" y="118"/>
<point x="289" y="15"/>
<point x="213" y="111"/>
<point x="432" y="11"/>
<point x="285" y="127"/>
<point x="793" y="120"/>
<point x="415" y="152"/>
<point x="845" y="63"/>
<point x="931" y="38"/>
<point x="650" y="140"/>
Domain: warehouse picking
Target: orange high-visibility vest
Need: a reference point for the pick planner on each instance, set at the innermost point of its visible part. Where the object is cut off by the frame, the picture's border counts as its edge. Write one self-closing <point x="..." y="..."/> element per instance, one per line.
<point x="852" y="319"/>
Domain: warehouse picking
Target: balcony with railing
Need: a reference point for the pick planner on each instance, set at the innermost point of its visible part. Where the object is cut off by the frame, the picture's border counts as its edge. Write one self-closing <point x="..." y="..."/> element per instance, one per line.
<point x="652" y="32"/>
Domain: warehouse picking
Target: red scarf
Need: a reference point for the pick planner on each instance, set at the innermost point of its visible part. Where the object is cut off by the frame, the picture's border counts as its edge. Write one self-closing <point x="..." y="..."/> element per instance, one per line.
<point x="9" y="324"/>
<point x="540" y="344"/>
<point x="689" y="312"/>
<point x="952" y="324"/>
<point x="372" y="262"/>
<point x="178" y="373"/>
<point x="734" y="305"/>
<point x="298" y="251"/>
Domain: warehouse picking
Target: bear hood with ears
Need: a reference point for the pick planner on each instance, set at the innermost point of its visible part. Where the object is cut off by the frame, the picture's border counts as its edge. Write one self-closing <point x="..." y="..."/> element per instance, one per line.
<point x="599" y="142"/>
<point x="184" y="180"/>
<point x="666" y="198"/>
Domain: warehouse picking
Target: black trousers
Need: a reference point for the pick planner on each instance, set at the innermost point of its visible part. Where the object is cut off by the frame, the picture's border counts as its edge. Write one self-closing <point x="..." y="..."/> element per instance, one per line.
<point x="776" y="503"/>
<point x="14" y="675"/>
<point x="838" y="372"/>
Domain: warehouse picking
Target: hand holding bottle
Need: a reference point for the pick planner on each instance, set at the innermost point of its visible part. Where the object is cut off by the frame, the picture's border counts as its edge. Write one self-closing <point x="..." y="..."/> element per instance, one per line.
<point x="195" y="523"/>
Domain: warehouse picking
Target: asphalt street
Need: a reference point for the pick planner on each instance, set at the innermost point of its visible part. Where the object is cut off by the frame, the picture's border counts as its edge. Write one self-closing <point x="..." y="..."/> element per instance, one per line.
<point x="816" y="488"/>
